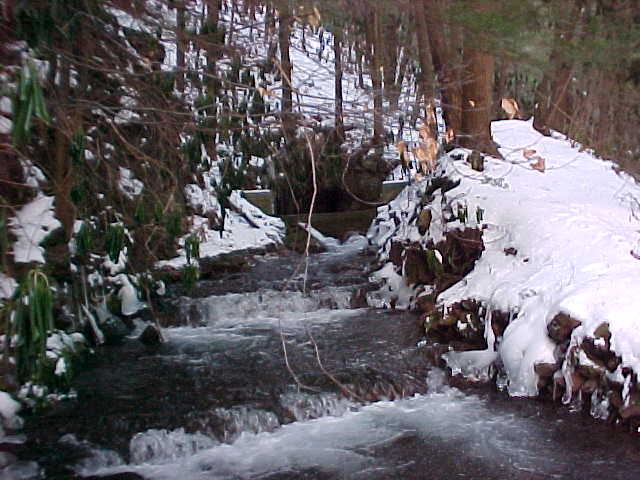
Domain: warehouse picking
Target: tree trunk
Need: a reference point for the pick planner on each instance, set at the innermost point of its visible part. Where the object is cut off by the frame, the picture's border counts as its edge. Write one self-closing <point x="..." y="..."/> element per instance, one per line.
<point x="180" y="45"/>
<point x="375" y="53"/>
<point x="553" y="105"/>
<point x="423" y="51"/>
<point x="477" y="89"/>
<point x="337" y="52"/>
<point x="443" y="59"/>
<point x="284" y="29"/>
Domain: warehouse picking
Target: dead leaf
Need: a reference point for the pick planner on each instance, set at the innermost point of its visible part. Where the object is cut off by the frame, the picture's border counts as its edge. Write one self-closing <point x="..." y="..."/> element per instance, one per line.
<point x="510" y="106"/>
<point x="426" y="132"/>
<point x="528" y="153"/>
<point x="264" y="93"/>
<point x="401" y="146"/>
<point x="538" y="164"/>
<point x="449" y="135"/>
<point x="426" y="154"/>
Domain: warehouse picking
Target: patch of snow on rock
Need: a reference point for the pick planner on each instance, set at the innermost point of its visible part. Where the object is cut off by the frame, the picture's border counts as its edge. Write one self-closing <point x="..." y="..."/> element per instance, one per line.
<point x="31" y="225"/>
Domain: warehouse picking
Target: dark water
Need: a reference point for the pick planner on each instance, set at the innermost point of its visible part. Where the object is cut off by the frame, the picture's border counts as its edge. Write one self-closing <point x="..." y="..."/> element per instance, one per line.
<point x="357" y="401"/>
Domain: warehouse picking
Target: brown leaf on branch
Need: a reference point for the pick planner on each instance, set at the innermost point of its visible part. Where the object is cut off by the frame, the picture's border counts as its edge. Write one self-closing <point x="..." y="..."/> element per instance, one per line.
<point x="511" y="108"/>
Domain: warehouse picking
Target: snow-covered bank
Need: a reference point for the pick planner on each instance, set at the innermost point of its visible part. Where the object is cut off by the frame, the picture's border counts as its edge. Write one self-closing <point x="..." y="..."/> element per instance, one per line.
<point x="561" y="235"/>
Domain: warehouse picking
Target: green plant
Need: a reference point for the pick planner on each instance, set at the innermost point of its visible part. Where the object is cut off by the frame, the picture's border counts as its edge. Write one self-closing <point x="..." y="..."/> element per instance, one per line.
<point x="192" y="247"/>
<point x="140" y="214"/>
<point x="190" y="275"/>
<point x="115" y="241"/>
<point x="32" y="321"/>
<point x="76" y="148"/>
<point x="84" y="240"/>
<point x="173" y="222"/>
<point x="433" y="263"/>
<point x="463" y="213"/>
<point x="27" y="102"/>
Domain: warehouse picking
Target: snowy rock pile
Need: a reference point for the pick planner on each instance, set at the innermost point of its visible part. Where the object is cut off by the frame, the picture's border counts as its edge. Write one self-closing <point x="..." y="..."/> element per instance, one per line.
<point x="525" y="272"/>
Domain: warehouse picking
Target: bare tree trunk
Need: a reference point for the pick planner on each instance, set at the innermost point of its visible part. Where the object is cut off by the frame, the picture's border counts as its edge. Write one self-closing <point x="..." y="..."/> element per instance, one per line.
<point x="375" y="52"/>
<point x="337" y="52"/>
<point x="477" y="90"/>
<point x="212" y="83"/>
<point x="423" y="50"/>
<point x="443" y="59"/>
<point x="180" y="45"/>
<point x="284" y="29"/>
<point x="553" y="106"/>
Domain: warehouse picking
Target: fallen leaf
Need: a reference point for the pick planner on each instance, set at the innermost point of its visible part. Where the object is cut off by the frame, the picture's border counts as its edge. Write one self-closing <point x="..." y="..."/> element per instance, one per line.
<point x="528" y="154"/>
<point x="539" y="164"/>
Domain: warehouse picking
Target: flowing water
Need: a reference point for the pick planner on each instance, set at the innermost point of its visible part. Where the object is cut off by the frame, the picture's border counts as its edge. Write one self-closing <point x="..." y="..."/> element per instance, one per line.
<point x="260" y="381"/>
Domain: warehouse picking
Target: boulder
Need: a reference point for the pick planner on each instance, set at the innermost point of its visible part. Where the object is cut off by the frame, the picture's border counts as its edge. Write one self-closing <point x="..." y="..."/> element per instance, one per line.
<point x="416" y="269"/>
<point x="560" y="327"/>
<point x="150" y="336"/>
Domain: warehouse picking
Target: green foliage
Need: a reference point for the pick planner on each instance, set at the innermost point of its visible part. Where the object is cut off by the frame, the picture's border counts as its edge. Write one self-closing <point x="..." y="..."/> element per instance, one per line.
<point x="32" y="321"/>
<point x="140" y="214"/>
<point x="76" y="148"/>
<point x="192" y="247"/>
<point x="190" y="275"/>
<point x="173" y="222"/>
<point x="433" y="263"/>
<point x="28" y="101"/>
<point x="115" y="241"/>
<point x="84" y="240"/>
<point x="463" y="213"/>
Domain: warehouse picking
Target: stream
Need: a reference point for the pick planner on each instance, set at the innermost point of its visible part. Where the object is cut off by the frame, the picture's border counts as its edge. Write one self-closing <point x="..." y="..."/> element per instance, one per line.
<point x="353" y="398"/>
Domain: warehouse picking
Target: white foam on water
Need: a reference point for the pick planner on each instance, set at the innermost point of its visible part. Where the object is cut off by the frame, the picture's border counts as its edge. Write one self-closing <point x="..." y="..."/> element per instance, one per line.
<point x="268" y="306"/>
<point x="342" y="445"/>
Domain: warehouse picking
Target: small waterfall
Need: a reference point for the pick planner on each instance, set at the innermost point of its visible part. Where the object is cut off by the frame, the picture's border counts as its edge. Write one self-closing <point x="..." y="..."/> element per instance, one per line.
<point x="238" y="420"/>
<point x="304" y="406"/>
<point x="236" y="308"/>
<point x="163" y="446"/>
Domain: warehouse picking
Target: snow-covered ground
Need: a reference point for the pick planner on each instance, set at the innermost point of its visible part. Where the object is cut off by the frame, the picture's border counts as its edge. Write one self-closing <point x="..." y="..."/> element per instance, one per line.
<point x="575" y="231"/>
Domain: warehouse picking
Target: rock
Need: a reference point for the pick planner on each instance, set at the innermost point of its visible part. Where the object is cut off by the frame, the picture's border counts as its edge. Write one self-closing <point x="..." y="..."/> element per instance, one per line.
<point x="416" y="269"/>
<point x="359" y="299"/>
<point x="615" y="399"/>
<point x="561" y="326"/>
<point x="603" y="332"/>
<point x="425" y="303"/>
<point x="630" y="412"/>
<point x="395" y="254"/>
<point x="599" y="355"/>
<point x="545" y="370"/>
<point x="499" y="322"/>
<point x="424" y="221"/>
<point x="114" y="330"/>
<point x="150" y="336"/>
<point x="476" y="160"/>
<point x="117" y="476"/>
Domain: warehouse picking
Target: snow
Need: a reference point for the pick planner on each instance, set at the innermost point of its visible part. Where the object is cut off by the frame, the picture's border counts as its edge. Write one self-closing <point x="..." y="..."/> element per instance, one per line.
<point x="8" y="286"/>
<point x="32" y="223"/>
<point x="128" y="296"/>
<point x="576" y="229"/>
<point x="128" y="184"/>
<point x="246" y="227"/>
